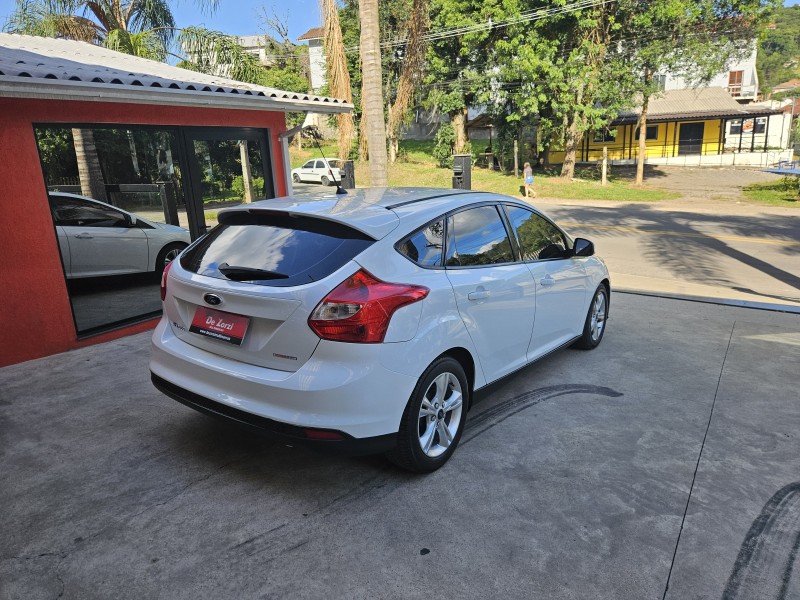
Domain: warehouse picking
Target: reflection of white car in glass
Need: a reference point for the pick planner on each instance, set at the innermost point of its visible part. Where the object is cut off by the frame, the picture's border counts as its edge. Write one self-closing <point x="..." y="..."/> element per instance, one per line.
<point x="317" y="171"/>
<point x="99" y="239"/>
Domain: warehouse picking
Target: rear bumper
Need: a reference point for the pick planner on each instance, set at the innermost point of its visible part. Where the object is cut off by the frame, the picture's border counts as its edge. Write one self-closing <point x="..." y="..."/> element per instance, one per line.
<point x="291" y="434"/>
<point x="342" y="387"/>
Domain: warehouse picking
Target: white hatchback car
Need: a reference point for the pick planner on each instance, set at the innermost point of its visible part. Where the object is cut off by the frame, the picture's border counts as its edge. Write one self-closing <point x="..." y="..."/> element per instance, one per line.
<point x="326" y="171"/>
<point x="97" y="239"/>
<point x="366" y="322"/>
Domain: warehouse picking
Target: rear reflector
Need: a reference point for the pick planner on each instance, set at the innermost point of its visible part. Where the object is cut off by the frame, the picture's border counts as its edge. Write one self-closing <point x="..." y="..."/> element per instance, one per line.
<point x="360" y="308"/>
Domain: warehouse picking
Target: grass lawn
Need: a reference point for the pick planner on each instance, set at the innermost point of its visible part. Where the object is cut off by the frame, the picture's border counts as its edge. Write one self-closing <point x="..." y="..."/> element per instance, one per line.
<point x="416" y="167"/>
<point x="780" y="193"/>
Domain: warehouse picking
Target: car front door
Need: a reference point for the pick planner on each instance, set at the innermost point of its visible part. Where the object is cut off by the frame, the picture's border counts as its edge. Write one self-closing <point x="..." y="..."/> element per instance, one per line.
<point x="101" y="240"/>
<point x="495" y="294"/>
<point x="561" y="280"/>
<point x="307" y="172"/>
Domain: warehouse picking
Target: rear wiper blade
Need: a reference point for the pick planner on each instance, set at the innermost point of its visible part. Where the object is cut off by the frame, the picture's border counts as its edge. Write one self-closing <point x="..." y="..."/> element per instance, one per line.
<point x="248" y="273"/>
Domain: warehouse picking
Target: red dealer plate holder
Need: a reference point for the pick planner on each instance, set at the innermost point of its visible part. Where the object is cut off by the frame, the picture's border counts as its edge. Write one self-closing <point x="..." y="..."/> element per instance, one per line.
<point x="220" y="325"/>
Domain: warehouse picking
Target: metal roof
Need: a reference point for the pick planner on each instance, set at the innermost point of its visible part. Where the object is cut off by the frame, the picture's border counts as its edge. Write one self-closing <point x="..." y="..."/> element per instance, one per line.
<point x="692" y="104"/>
<point x="36" y="67"/>
<point x="314" y="33"/>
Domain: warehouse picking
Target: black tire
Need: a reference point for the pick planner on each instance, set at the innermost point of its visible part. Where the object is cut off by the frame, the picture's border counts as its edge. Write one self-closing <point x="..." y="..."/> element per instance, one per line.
<point x="170" y="251"/>
<point x="325" y="180"/>
<point x="409" y="453"/>
<point x="295" y="177"/>
<point x="595" y="326"/>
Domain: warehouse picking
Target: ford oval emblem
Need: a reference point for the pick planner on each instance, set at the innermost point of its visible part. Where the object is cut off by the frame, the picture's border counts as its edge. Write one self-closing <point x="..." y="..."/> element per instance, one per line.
<point x="212" y="299"/>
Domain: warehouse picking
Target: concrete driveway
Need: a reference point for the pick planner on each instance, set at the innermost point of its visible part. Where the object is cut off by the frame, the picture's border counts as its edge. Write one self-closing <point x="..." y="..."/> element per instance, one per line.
<point x="669" y="456"/>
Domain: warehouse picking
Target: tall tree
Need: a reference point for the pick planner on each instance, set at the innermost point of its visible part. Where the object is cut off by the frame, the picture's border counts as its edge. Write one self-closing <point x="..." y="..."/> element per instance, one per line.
<point x="779" y="48"/>
<point x="413" y="65"/>
<point x="372" y="92"/>
<point x="338" y="75"/>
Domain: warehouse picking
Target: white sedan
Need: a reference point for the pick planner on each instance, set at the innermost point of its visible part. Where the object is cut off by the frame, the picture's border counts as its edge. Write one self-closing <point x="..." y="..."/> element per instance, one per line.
<point x="319" y="170"/>
<point x="98" y="239"/>
<point x="365" y="323"/>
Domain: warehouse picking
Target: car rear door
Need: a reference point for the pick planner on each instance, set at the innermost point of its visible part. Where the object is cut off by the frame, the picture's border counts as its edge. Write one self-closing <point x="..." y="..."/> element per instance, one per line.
<point x="560" y="279"/>
<point x="495" y="294"/>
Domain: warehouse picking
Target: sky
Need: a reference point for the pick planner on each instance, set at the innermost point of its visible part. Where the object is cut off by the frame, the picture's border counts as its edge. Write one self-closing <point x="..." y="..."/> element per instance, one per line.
<point x="241" y="17"/>
<point x="235" y="17"/>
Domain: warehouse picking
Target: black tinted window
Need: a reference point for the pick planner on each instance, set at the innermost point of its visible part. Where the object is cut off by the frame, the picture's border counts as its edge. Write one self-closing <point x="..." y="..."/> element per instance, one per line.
<point x="477" y="236"/>
<point x="425" y="246"/>
<point x="75" y="212"/>
<point x="273" y="251"/>
<point x="538" y="238"/>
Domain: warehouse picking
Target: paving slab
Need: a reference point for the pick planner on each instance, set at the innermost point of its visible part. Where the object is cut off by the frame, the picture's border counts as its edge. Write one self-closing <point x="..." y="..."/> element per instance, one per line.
<point x="571" y="482"/>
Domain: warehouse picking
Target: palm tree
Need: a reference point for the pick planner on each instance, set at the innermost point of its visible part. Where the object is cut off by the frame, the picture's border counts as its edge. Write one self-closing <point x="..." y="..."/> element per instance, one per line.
<point x="139" y="27"/>
<point x="372" y="92"/>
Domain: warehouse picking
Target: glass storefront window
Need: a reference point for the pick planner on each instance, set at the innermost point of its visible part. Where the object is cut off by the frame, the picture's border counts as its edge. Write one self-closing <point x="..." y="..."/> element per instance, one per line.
<point x="124" y="199"/>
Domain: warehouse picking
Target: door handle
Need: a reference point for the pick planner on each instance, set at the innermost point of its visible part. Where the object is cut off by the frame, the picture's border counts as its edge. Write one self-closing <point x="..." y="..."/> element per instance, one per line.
<point x="547" y="281"/>
<point x="481" y="295"/>
<point x="83" y="236"/>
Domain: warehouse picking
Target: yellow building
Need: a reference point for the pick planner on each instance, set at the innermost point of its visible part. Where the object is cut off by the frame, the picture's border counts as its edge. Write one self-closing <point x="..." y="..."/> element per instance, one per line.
<point x="703" y="126"/>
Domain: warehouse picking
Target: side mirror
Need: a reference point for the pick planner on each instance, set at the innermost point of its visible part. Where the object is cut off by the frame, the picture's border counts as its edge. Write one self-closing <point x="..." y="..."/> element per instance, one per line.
<point x="583" y="247"/>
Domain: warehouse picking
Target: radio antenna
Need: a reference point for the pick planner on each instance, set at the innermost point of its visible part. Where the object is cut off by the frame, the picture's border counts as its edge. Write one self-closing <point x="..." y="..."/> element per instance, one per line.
<point x="315" y="134"/>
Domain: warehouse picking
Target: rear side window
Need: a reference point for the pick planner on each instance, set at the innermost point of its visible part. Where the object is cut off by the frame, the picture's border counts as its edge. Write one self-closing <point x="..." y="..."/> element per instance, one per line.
<point x="425" y="246"/>
<point x="477" y="237"/>
<point x="273" y="249"/>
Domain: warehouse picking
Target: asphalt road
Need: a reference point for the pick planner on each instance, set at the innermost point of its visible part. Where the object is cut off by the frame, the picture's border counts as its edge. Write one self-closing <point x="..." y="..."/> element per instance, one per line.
<point x="749" y="254"/>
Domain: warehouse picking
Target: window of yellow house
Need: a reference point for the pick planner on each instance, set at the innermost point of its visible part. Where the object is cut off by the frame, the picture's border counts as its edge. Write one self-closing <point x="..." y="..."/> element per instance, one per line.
<point x="605" y="135"/>
<point x="651" y="134"/>
<point x="736" y="126"/>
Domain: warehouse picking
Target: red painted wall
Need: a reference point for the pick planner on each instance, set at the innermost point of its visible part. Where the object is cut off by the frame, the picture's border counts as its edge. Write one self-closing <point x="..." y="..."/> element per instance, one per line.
<point x="35" y="315"/>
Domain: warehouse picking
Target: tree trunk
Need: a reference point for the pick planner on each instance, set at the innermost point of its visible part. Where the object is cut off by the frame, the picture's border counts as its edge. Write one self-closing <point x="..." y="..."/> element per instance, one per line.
<point x="373" y="92"/>
<point x="247" y="175"/>
<point x="394" y="148"/>
<point x="642" y="143"/>
<point x="338" y="75"/>
<point x="571" y="142"/>
<point x="89" y="172"/>
<point x="459" y="122"/>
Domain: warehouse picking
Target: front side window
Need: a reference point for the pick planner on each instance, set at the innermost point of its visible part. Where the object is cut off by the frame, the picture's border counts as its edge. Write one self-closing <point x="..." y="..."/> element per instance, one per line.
<point x="309" y="165"/>
<point x="477" y="237"/>
<point x="76" y="212"/>
<point x="538" y="238"/>
<point x="425" y="246"/>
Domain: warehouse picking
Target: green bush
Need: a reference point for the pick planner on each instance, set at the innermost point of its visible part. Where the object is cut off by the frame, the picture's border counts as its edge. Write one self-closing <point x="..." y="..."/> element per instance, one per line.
<point x="443" y="143"/>
<point x="237" y="186"/>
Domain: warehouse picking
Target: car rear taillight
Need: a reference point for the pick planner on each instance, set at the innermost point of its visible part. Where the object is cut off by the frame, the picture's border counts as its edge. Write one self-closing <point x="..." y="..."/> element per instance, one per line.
<point x="164" y="280"/>
<point x="359" y="309"/>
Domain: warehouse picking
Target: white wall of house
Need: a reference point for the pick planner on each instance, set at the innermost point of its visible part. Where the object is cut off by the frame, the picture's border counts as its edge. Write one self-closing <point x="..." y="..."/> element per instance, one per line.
<point x="739" y="78"/>
<point x="752" y="133"/>
<point x="316" y="60"/>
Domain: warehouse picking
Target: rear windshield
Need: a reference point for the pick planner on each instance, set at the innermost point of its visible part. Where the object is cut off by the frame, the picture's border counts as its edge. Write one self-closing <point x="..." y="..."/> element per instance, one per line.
<point x="273" y="249"/>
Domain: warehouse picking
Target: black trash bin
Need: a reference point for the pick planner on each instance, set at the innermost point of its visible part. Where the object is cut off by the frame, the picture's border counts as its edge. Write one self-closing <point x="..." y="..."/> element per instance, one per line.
<point x="462" y="172"/>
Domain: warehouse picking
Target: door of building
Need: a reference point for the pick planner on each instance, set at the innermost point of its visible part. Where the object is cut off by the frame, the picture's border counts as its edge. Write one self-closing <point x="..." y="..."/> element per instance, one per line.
<point x="690" y="138"/>
<point x="226" y="167"/>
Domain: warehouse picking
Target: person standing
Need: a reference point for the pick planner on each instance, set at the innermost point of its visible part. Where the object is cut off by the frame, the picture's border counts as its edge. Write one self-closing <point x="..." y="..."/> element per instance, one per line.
<point x="527" y="174"/>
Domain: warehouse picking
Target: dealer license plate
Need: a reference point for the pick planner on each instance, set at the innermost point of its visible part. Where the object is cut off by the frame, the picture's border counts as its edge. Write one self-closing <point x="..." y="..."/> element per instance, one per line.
<point x="219" y="325"/>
